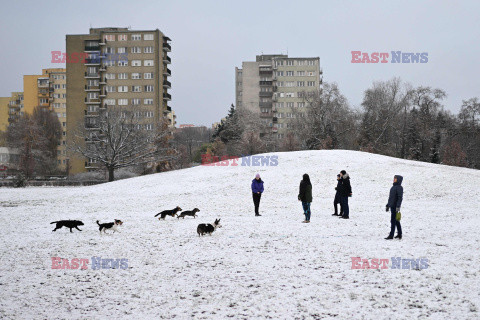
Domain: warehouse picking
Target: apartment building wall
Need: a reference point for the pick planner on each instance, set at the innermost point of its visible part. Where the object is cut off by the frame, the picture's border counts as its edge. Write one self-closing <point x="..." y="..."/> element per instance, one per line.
<point x="31" y="93"/>
<point x="15" y="107"/>
<point x="141" y="83"/>
<point x="4" y="113"/>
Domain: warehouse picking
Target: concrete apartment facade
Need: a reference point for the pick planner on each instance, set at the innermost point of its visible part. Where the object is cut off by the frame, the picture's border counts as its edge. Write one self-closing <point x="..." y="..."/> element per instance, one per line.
<point x="15" y="107"/>
<point x="132" y="72"/>
<point x="276" y="86"/>
<point x="4" y="113"/>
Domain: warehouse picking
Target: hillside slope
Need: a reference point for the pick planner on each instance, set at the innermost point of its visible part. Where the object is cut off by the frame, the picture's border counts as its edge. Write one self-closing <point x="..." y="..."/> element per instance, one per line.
<point x="272" y="266"/>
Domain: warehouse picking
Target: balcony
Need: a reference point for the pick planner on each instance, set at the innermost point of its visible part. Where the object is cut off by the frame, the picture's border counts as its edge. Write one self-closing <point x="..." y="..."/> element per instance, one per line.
<point x="167" y="59"/>
<point x="92" y="48"/>
<point x="103" y="68"/>
<point x="43" y="84"/>
<point x="167" y="72"/>
<point x="167" y="84"/>
<point x="321" y="71"/>
<point x="89" y="125"/>
<point x="169" y="109"/>
<point x="274" y="129"/>
<point x="92" y="101"/>
<point x="167" y="47"/>
<point x="275" y="119"/>
<point x="92" y="88"/>
<point x="103" y="81"/>
<point x="265" y="104"/>
<point x="167" y="96"/>
<point x="102" y="94"/>
<point x="93" y="61"/>
<point x="92" y="75"/>
<point x="103" y="42"/>
<point x="275" y="88"/>
<point x="266" y="83"/>
<point x="264" y="71"/>
<point x="265" y="94"/>
<point x="266" y="114"/>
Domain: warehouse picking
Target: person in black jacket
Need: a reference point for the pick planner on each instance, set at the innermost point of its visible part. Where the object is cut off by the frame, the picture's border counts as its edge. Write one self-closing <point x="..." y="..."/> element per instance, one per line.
<point x="305" y="195"/>
<point x="345" y="192"/>
<point x="394" y="202"/>
<point x="336" y="201"/>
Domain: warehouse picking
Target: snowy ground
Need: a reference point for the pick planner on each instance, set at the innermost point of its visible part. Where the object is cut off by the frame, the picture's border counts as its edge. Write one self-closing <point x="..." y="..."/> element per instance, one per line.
<point x="269" y="267"/>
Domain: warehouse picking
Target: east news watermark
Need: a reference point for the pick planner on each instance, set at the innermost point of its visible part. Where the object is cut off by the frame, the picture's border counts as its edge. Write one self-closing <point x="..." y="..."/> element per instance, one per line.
<point x="97" y="263"/>
<point x="246" y="161"/>
<point x="393" y="263"/>
<point x="389" y="57"/>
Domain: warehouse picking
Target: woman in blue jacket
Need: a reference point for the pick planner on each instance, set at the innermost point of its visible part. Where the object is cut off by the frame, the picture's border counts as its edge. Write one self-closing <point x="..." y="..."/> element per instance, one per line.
<point x="257" y="190"/>
<point x="394" y="203"/>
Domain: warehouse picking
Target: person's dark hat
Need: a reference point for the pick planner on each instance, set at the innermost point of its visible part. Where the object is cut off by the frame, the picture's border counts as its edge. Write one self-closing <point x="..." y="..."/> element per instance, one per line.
<point x="338" y="175"/>
<point x="343" y="172"/>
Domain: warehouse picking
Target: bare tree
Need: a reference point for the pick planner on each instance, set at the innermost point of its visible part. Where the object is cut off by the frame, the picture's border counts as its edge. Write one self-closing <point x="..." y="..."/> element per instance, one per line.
<point x="118" y="138"/>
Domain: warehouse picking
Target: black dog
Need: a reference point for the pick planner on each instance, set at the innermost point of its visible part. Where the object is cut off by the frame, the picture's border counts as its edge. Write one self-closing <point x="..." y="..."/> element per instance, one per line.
<point x="68" y="224"/>
<point x="165" y="213"/>
<point x="208" y="228"/>
<point x="189" y="213"/>
<point x="109" y="226"/>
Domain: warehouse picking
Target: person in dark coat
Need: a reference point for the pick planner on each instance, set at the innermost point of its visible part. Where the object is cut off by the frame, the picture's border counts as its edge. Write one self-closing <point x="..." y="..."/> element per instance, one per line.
<point x="345" y="193"/>
<point x="394" y="203"/>
<point x="257" y="190"/>
<point x="337" y="199"/>
<point x="305" y="195"/>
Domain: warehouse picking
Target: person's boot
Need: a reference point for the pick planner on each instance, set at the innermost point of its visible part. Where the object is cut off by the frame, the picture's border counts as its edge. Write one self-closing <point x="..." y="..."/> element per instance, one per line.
<point x="335" y="214"/>
<point x="389" y="238"/>
<point x="344" y="217"/>
<point x="399" y="236"/>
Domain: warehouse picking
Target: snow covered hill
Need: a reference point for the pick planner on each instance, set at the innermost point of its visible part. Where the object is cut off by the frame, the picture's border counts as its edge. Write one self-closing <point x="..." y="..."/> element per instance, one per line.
<point x="272" y="266"/>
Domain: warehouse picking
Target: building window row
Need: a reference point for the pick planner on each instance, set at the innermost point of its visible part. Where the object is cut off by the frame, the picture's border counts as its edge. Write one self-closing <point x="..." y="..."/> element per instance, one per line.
<point x="296" y="62"/>
<point x="292" y="73"/>
<point x="124" y="102"/>
<point x="111" y="50"/>
<point x="289" y="104"/>
<point x="295" y="83"/>
<point x="125" y="76"/>
<point x="124" y="37"/>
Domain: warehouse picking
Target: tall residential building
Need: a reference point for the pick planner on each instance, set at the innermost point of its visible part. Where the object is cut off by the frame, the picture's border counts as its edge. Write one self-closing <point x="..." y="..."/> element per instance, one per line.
<point x="123" y="67"/>
<point x="49" y="91"/>
<point x="275" y="86"/>
<point x="15" y="107"/>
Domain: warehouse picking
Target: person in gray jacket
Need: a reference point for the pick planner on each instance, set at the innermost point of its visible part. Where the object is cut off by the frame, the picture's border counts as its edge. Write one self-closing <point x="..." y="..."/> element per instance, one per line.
<point x="394" y="203"/>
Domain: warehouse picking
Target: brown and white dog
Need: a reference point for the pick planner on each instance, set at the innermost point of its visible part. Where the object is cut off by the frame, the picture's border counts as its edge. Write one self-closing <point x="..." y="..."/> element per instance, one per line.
<point x="109" y="226"/>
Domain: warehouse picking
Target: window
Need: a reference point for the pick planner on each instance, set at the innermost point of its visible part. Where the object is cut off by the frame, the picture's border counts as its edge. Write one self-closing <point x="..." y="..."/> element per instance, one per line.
<point x="149" y="126"/>
<point x="147" y="101"/>
<point x="123" y="76"/>
<point x="122" y="63"/>
<point x="289" y="94"/>
<point x="279" y="73"/>
<point x="136" y="37"/>
<point x="280" y="84"/>
<point x="122" y="88"/>
<point x="110" y="89"/>
<point x="289" y="73"/>
<point x="109" y="63"/>
<point x="290" y="62"/>
<point x="311" y="83"/>
<point x="148" y="36"/>
<point x="300" y="73"/>
<point x="149" y="114"/>
<point x="109" y="50"/>
<point x="301" y="62"/>
<point x="148" y="63"/>
<point x="279" y="62"/>
<point x="148" y="50"/>
<point x="122" y="50"/>
<point x="290" y="105"/>
<point x="56" y="105"/>
<point x="56" y="86"/>
<point x="43" y="100"/>
<point x="300" y="83"/>
<point x="279" y="105"/>
<point x="92" y="108"/>
<point x="135" y="102"/>
<point x="92" y="95"/>
<point x="136" y="50"/>
<point x="109" y="102"/>
<point x="148" y="75"/>
<point x="136" y="63"/>
<point x="110" y="76"/>
<point x="64" y="124"/>
<point x="136" y="75"/>
<point x="148" y="88"/>
<point x="109" y="37"/>
<point x="311" y="62"/>
<point x="290" y="84"/>
<point x="122" y="102"/>
<point x="301" y="104"/>
<point x="311" y="74"/>
<point x="136" y="88"/>
<point x="122" y="37"/>
<point x="64" y="86"/>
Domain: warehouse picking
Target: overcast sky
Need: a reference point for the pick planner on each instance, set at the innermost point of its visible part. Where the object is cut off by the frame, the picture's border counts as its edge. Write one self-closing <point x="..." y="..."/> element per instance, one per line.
<point x="211" y="38"/>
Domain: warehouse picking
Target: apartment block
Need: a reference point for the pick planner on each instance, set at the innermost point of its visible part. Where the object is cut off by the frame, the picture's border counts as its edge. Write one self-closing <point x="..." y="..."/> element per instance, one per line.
<point x="119" y="68"/>
<point x="277" y="87"/>
<point x="4" y="101"/>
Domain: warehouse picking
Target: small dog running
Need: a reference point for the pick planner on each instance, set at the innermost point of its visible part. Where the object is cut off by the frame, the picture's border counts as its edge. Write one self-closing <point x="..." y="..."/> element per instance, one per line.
<point x="68" y="224"/>
<point x="109" y="226"/>
<point x="204" y="228"/>
<point x="191" y="213"/>
<point x="171" y="213"/>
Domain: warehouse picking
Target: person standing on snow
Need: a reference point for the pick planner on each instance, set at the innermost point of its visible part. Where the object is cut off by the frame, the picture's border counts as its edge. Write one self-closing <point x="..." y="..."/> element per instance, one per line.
<point x="305" y="195"/>
<point x="257" y="190"/>
<point x="345" y="193"/>
<point x="337" y="199"/>
<point x="394" y="202"/>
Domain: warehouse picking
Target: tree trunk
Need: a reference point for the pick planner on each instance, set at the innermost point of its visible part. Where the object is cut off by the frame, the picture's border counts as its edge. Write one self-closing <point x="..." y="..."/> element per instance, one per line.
<point x="111" y="176"/>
